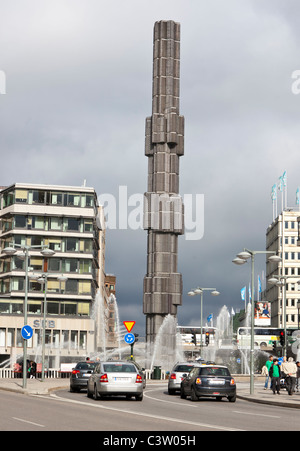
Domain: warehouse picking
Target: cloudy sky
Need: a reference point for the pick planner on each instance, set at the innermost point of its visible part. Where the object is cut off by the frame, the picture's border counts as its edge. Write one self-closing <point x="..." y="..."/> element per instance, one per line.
<point x="78" y="90"/>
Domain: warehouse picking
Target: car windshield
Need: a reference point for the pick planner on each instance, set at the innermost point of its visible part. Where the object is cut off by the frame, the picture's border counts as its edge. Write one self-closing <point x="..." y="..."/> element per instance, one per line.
<point x="184" y="368"/>
<point x="86" y="366"/>
<point x="214" y="371"/>
<point x="119" y="368"/>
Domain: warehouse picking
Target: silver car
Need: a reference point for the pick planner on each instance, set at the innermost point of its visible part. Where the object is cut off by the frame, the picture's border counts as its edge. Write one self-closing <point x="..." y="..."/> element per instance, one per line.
<point x="177" y="372"/>
<point x="115" y="378"/>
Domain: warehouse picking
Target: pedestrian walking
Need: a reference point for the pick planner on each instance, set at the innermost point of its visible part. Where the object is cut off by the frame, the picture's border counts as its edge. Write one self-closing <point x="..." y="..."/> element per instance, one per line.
<point x="298" y="376"/>
<point x="32" y="370"/>
<point x="275" y="374"/>
<point x="290" y="370"/>
<point x="268" y="366"/>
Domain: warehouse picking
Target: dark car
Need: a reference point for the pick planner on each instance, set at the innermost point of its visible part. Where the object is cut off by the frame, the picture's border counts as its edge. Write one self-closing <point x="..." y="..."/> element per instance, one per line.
<point x="80" y="375"/>
<point x="212" y="380"/>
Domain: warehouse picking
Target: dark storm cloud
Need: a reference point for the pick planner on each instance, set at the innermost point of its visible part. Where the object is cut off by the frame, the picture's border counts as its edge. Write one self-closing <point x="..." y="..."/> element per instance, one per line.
<point x="79" y="81"/>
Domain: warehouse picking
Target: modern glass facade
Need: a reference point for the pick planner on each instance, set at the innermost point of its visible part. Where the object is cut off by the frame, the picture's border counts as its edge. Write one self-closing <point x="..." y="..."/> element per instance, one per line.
<point x="63" y="219"/>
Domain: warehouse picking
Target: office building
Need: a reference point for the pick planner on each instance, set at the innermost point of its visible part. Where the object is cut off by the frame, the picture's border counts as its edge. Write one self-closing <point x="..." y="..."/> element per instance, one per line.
<point x="68" y="221"/>
<point x="282" y="237"/>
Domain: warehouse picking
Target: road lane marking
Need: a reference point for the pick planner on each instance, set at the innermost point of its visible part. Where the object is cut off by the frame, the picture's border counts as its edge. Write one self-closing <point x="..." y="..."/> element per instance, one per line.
<point x="29" y="422"/>
<point x="255" y="414"/>
<point x="147" y="415"/>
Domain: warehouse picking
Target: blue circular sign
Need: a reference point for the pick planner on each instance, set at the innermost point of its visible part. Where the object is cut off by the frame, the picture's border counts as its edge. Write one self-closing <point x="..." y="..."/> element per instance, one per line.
<point x="26" y="332"/>
<point x="129" y="338"/>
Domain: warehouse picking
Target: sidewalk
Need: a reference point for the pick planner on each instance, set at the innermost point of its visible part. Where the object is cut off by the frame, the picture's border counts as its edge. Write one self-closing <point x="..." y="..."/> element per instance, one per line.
<point x="36" y="387"/>
<point x="267" y="397"/>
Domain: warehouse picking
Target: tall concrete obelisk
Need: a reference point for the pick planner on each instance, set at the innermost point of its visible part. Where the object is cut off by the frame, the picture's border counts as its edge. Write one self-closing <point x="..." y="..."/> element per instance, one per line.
<point x="163" y="206"/>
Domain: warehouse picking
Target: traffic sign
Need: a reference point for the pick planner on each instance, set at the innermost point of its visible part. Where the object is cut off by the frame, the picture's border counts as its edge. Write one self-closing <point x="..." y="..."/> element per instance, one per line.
<point x="129" y="338"/>
<point x="26" y="332"/>
<point x="129" y="325"/>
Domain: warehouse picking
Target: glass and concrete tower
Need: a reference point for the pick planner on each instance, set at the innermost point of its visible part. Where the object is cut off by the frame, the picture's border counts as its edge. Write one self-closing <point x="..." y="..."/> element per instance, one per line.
<point x="163" y="207"/>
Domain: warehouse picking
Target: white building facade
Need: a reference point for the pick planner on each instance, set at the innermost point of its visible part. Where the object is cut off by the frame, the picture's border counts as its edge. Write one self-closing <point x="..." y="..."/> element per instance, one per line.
<point x="282" y="237"/>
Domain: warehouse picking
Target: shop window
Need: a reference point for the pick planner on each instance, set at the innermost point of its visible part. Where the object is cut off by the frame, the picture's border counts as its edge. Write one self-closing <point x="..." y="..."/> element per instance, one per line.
<point x="19" y="339"/>
<point x="64" y="339"/>
<point x="74" y="339"/>
<point x="82" y="340"/>
<point x="10" y="337"/>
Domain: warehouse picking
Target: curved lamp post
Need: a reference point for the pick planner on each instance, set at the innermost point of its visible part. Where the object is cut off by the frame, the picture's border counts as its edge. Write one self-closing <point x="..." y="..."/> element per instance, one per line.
<point x="240" y="259"/>
<point x="200" y="290"/>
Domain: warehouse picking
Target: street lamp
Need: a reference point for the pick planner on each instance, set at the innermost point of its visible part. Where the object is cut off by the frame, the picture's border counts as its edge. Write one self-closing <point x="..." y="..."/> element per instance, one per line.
<point x="196" y="291"/>
<point x="43" y="279"/>
<point x="242" y="258"/>
<point x="10" y="251"/>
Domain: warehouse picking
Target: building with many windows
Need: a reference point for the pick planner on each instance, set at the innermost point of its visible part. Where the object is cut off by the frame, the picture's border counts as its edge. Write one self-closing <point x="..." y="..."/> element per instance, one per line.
<point x="67" y="220"/>
<point x="282" y="237"/>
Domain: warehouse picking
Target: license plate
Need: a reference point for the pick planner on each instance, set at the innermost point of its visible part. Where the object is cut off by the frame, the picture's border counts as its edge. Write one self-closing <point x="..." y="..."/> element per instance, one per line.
<point x="217" y="382"/>
<point x="122" y="379"/>
<point x="86" y="375"/>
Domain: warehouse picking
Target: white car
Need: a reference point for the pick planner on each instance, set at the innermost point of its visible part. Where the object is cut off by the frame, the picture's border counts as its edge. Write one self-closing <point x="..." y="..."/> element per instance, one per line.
<point x="177" y="372"/>
<point x="115" y="378"/>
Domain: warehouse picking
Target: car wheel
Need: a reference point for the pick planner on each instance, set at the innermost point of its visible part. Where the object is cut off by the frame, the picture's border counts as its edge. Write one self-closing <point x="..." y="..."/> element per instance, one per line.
<point x="89" y="394"/>
<point x="182" y="394"/>
<point x="96" y="394"/>
<point x="194" y="397"/>
<point x="232" y="398"/>
<point x="139" y="397"/>
<point x="171" y="392"/>
<point x="74" y="389"/>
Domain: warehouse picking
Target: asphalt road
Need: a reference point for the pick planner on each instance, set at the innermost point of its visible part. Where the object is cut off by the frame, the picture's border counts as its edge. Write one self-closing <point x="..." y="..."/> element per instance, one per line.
<point x="65" y="411"/>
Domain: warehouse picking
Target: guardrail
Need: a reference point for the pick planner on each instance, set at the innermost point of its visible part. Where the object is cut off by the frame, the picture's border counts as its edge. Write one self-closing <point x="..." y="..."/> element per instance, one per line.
<point x="52" y="373"/>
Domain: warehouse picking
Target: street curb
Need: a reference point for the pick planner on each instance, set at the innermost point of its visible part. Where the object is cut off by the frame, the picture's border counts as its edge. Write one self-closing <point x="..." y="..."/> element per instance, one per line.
<point x="269" y="402"/>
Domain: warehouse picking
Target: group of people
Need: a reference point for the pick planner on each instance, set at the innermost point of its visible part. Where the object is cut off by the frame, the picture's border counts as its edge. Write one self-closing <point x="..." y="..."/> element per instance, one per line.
<point x="277" y="369"/>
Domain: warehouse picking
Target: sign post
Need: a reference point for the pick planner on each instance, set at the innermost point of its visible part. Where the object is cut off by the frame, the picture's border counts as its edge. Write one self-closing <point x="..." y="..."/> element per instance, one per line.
<point x="129" y="337"/>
